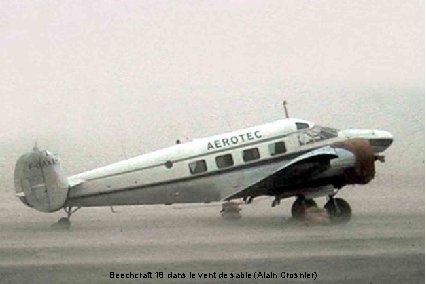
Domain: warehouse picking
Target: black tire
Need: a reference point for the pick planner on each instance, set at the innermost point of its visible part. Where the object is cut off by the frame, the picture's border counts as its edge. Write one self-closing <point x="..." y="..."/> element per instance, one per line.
<point x="310" y="203"/>
<point x="298" y="209"/>
<point x="340" y="214"/>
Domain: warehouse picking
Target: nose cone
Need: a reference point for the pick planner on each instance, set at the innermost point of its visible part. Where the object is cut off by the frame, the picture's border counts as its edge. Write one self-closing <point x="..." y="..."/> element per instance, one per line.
<point x="382" y="140"/>
<point x="379" y="140"/>
<point x="384" y="134"/>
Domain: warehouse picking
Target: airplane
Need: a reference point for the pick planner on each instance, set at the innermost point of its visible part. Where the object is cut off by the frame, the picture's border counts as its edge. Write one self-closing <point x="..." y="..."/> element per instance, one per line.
<point x="286" y="158"/>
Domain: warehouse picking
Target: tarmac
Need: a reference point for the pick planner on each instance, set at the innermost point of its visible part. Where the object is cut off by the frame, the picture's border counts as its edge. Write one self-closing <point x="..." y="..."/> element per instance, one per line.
<point x="383" y="243"/>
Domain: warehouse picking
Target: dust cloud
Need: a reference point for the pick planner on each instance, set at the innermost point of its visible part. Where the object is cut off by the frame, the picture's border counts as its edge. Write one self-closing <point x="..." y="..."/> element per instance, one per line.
<point x="99" y="82"/>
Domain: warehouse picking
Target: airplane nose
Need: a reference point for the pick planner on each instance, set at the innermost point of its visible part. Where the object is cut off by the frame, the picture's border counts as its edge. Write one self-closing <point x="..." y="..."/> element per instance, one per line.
<point x="386" y="135"/>
<point x="382" y="141"/>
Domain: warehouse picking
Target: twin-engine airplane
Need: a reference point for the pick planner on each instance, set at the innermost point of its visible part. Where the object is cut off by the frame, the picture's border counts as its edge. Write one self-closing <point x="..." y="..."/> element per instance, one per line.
<point x="285" y="158"/>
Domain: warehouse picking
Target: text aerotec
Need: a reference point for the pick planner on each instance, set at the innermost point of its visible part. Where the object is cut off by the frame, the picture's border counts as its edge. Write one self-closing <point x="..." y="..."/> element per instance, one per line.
<point x="233" y="140"/>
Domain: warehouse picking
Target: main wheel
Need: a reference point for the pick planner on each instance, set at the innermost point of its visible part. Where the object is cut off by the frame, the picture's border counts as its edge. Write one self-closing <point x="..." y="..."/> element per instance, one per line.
<point x="338" y="210"/>
<point x="298" y="209"/>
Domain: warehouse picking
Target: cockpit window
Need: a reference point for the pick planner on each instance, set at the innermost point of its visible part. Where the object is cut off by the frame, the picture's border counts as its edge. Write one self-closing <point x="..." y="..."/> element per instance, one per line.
<point x="328" y="132"/>
<point x="316" y="133"/>
<point x="301" y="125"/>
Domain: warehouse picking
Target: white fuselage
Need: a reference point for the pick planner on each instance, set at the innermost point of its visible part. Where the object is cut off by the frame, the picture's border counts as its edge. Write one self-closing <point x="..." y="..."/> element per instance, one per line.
<point x="200" y="170"/>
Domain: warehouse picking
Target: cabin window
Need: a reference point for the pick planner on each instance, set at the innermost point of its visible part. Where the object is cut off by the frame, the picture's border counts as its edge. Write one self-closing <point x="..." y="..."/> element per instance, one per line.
<point x="197" y="167"/>
<point x="224" y="161"/>
<point x="251" y="154"/>
<point x="277" y="148"/>
<point x="301" y="125"/>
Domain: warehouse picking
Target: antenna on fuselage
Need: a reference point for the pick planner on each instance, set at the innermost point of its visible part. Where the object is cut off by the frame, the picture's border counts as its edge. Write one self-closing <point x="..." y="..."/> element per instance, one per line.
<point x="285" y="108"/>
<point x="35" y="148"/>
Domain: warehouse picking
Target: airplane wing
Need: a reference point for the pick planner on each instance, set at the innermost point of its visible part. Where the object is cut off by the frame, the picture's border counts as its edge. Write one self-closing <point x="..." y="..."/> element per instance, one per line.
<point x="299" y="169"/>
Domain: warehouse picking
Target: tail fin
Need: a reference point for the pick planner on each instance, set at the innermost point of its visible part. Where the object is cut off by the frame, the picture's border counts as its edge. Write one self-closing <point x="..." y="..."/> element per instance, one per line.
<point x="39" y="181"/>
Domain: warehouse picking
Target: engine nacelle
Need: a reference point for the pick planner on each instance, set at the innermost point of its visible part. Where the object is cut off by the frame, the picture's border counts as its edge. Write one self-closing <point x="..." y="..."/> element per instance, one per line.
<point x="363" y="171"/>
<point x="39" y="181"/>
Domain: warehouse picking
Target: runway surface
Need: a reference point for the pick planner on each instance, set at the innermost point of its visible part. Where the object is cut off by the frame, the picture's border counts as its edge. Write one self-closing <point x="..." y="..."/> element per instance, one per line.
<point x="384" y="243"/>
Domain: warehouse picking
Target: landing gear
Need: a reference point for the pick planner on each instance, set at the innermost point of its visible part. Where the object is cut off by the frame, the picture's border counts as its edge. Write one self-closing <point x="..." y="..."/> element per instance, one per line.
<point x="248" y="200"/>
<point x="64" y="223"/>
<point x="276" y="201"/>
<point x="338" y="210"/>
<point x="230" y="211"/>
<point x="299" y="207"/>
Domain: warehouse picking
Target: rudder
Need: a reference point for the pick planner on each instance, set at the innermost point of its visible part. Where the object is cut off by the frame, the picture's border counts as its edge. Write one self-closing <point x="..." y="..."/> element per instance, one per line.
<point x="39" y="181"/>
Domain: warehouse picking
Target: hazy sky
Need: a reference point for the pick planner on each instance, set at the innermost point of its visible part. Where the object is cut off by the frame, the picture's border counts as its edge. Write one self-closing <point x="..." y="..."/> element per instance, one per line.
<point x="99" y="80"/>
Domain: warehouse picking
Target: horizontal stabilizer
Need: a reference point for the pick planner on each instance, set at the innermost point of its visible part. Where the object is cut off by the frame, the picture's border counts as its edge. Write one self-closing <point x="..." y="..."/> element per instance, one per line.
<point x="74" y="182"/>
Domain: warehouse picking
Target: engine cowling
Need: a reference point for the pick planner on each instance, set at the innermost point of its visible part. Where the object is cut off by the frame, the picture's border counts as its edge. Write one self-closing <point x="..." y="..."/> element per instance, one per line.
<point x="363" y="171"/>
<point x="39" y="181"/>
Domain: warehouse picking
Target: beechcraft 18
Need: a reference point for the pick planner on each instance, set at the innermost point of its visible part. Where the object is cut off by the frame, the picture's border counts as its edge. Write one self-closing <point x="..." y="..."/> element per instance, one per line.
<point x="286" y="158"/>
